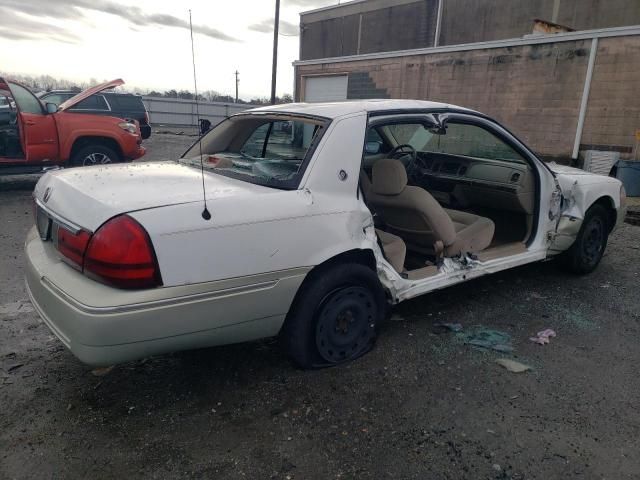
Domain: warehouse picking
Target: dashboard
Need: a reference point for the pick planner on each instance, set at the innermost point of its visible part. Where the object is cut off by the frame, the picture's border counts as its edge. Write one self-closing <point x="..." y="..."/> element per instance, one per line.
<point x="462" y="182"/>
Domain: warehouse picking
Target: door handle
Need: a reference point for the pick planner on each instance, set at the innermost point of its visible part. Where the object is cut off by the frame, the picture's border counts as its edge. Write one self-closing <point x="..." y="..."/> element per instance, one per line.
<point x="30" y="122"/>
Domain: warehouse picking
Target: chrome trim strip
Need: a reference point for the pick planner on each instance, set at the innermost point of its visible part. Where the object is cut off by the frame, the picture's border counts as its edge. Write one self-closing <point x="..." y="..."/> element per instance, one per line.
<point x="196" y="297"/>
<point x="60" y="220"/>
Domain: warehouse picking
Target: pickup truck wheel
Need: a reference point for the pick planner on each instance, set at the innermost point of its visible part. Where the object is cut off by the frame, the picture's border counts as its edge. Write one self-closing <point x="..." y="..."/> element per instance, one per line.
<point x="587" y="251"/>
<point x="334" y="317"/>
<point x="94" y="155"/>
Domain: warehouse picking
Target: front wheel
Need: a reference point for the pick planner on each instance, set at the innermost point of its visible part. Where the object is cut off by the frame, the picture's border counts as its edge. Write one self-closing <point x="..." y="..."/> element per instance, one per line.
<point x="94" y="155"/>
<point x="334" y="318"/>
<point x="587" y="251"/>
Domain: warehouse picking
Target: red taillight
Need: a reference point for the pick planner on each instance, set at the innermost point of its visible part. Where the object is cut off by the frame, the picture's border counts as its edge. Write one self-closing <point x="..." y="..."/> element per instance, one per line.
<point x="72" y="246"/>
<point x="120" y="254"/>
<point x="146" y="116"/>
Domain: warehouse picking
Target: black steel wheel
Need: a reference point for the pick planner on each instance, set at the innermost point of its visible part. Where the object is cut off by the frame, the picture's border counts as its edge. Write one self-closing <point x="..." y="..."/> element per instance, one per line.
<point x="587" y="250"/>
<point x="334" y="316"/>
<point x="346" y="323"/>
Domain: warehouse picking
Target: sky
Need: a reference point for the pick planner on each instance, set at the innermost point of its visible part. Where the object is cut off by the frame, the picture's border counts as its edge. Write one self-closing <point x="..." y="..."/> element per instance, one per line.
<point x="147" y="42"/>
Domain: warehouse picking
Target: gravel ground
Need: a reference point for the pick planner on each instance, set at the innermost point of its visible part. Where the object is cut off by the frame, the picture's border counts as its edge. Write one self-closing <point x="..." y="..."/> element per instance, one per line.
<point x="422" y="404"/>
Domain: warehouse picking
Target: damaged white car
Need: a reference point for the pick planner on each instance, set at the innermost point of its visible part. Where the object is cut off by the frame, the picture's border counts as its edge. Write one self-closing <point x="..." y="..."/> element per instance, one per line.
<point x="304" y="221"/>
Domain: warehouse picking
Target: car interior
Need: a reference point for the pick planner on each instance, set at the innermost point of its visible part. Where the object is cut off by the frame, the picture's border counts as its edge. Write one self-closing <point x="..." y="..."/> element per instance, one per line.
<point x="10" y="146"/>
<point x="445" y="191"/>
<point x="264" y="149"/>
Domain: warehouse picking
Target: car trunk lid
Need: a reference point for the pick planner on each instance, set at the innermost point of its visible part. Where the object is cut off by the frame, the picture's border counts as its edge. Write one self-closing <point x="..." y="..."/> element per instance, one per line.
<point x="88" y="196"/>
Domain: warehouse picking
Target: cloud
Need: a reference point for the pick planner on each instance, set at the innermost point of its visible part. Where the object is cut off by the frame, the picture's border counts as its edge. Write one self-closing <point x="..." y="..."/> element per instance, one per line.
<point x="74" y="10"/>
<point x="266" y="26"/>
<point x="19" y="27"/>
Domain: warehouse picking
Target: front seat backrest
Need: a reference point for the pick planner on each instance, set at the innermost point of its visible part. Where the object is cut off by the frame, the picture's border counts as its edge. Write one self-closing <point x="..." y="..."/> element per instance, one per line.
<point x="410" y="212"/>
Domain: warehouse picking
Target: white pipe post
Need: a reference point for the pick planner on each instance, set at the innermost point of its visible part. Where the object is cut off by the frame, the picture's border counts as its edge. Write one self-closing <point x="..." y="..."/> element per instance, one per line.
<point x="585" y="97"/>
<point x="436" y="37"/>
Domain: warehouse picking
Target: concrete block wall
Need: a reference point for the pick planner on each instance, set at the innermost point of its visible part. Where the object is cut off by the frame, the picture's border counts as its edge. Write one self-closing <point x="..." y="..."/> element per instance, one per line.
<point x="388" y="25"/>
<point x="399" y="25"/>
<point x="534" y="90"/>
<point x="468" y="21"/>
<point x="613" y="111"/>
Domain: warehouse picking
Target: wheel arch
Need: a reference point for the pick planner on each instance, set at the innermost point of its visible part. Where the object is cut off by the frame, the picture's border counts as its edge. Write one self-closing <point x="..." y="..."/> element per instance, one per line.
<point x="83" y="141"/>
<point x="609" y="205"/>
<point x="361" y="256"/>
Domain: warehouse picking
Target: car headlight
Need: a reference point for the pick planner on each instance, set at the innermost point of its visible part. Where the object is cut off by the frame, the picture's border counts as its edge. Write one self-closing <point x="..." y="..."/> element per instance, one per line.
<point x="128" y="126"/>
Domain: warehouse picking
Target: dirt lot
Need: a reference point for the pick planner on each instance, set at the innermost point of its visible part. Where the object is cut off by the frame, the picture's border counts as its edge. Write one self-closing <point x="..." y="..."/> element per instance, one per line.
<point x="422" y="404"/>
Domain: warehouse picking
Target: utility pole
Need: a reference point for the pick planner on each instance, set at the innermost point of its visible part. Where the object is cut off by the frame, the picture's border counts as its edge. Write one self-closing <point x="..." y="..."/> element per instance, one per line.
<point x="237" y="82"/>
<point x="274" y="68"/>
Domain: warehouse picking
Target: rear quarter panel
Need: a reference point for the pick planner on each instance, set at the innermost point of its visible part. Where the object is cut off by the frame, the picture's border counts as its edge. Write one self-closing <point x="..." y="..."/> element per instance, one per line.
<point x="266" y="233"/>
<point x="246" y="237"/>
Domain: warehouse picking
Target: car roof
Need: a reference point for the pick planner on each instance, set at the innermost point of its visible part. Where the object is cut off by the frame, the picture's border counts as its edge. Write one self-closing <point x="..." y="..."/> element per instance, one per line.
<point x="340" y="109"/>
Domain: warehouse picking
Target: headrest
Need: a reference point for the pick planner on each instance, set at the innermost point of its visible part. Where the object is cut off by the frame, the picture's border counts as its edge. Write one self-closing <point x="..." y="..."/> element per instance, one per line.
<point x="389" y="177"/>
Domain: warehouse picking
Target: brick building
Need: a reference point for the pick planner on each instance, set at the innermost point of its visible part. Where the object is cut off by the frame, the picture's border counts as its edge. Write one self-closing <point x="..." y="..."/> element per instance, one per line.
<point x="562" y="93"/>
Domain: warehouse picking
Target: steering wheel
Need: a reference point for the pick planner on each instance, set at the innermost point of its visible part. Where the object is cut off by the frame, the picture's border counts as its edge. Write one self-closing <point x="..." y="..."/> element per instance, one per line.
<point x="406" y="154"/>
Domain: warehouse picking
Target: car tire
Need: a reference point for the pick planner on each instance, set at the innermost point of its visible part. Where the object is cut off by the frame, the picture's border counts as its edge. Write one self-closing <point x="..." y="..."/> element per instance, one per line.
<point x="334" y="317"/>
<point x="587" y="250"/>
<point x="94" y="154"/>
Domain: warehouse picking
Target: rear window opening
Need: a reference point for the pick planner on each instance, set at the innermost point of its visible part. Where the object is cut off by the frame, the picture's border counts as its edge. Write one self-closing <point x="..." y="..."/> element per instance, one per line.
<point x="270" y="150"/>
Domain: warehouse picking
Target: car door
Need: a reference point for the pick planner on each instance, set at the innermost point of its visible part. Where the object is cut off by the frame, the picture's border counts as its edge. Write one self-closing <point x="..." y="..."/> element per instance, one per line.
<point x="38" y="133"/>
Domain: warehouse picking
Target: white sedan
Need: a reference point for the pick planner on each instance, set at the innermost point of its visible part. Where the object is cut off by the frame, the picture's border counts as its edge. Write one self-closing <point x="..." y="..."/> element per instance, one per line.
<point x="304" y="221"/>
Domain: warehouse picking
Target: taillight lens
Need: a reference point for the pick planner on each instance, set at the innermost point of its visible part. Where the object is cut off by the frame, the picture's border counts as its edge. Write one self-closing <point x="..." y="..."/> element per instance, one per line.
<point x="120" y="254"/>
<point x="72" y="245"/>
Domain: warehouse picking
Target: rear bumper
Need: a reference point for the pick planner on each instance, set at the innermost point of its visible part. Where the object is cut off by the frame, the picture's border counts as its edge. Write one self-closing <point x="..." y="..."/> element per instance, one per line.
<point x="105" y="326"/>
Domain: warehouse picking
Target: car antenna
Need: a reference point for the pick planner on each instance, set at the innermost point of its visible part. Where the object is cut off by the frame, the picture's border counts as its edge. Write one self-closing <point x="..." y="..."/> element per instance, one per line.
<point x="205" y="213"/>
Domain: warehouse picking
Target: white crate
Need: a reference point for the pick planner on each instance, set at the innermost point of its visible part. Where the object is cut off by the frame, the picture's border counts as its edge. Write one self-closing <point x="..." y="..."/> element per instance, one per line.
<point x="596" y="161"/>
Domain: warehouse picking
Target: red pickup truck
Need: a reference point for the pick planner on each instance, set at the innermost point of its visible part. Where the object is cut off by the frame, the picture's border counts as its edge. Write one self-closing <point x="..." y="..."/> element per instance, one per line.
<point x="34" y="136"/>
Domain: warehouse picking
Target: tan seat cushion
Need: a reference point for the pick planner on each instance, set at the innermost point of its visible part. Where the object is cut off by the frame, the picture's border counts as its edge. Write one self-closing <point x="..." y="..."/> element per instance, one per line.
<point x="473" y="233"/>
<point x="394" y="248"/>
<point x="413" y="214"/>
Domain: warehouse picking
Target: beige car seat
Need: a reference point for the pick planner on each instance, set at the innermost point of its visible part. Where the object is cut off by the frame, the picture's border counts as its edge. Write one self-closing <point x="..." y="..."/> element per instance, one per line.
<point x="413" y="214"/>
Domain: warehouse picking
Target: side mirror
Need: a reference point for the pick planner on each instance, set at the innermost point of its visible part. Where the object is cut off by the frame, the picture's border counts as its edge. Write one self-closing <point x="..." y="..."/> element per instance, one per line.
<point x="51" y="107"/>
<point x="372" y="148"/>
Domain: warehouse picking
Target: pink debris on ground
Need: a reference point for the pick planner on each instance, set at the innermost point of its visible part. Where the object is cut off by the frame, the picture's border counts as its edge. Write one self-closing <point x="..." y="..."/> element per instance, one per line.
<point x="543" y="337"/>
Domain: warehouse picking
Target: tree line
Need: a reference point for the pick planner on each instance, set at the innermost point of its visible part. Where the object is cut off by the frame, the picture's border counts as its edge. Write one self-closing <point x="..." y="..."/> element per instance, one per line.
<point x="47" y="83"/>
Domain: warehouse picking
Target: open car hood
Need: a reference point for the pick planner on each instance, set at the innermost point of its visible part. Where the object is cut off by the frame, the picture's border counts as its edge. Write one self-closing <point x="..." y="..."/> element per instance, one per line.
<point x="88" y="92"/>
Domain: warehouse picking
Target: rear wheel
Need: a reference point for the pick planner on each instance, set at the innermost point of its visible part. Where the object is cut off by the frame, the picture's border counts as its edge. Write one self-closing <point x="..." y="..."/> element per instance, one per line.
<point x="587" y="251"/>
<point x="94" y="154"/>
<point x="334" y="317"/>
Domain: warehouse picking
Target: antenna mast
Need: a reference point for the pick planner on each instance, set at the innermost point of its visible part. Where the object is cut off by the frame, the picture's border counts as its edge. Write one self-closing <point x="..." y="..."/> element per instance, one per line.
<point x="205" y="213"/>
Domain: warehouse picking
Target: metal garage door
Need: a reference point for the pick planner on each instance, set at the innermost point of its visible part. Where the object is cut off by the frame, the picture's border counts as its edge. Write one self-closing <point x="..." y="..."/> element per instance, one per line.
<point x="330" y="88"/>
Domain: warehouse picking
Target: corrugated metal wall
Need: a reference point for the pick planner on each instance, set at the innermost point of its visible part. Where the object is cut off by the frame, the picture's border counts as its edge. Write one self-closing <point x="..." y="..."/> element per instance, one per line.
<point x="176" y="111"/>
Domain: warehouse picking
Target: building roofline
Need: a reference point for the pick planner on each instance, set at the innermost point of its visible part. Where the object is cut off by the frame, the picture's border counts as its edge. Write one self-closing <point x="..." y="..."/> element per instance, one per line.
<point x="331" y="7"/>
<point x="350" y="8"/>
<point x="511" y="42"/>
